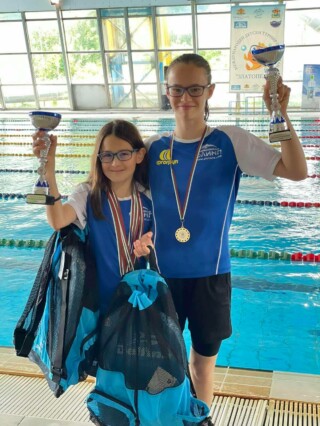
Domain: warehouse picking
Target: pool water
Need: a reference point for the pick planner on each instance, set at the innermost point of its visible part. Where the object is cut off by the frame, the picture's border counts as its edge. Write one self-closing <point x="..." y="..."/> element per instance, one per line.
<point x="275" y="303"/>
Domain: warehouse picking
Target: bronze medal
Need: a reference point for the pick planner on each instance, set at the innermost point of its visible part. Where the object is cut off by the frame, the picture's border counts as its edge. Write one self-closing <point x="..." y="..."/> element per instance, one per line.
<point x="126" y="255"/>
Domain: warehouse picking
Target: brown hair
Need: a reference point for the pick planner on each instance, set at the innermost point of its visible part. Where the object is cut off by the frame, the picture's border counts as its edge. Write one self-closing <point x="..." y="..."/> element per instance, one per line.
<point x="199" y="62"/>
<point x="98" y="181"/>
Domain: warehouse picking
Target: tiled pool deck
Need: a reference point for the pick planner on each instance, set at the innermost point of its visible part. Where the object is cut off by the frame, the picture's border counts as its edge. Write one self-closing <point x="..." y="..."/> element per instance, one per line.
<point x="229" y="381"/>
<point x="25" y="399"/>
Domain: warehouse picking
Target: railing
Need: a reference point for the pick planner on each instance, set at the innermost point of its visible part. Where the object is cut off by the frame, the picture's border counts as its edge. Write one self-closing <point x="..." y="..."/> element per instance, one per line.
<point x="250" y="105"/>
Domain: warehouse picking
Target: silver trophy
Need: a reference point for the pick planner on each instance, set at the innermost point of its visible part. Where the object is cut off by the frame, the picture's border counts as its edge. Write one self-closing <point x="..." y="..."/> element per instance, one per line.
<point x="46" y="121"/>
<point x="268" y="57"/>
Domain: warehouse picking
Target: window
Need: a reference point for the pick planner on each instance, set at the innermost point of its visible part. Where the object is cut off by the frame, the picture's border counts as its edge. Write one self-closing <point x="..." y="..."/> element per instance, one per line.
<point x="81" y="35"/>
<point x="141" y="36"/>
<point x="114" y="34"/>
<point x="14" y="69"/>
<point x="48" y="68"/>
<point x="144" y="69"/>
<point x="85" y="68"/>
<point x="213" y="31"/>
<point x="174" y="32"/>
<point x="302" y="27"/>
<point x="116" y="49"/>
<point x="17" y="43"/>
<point x="44" y="36"/>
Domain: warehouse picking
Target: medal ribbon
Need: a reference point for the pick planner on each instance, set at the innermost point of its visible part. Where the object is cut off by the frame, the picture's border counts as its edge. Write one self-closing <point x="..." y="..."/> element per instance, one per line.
<point x="182" y="209"/>
<point x="124" y="242"/>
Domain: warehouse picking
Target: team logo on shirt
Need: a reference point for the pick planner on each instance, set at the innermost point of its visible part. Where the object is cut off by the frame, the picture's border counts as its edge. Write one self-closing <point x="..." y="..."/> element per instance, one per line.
<point x="165" y="158"/>
<point x="209" y="152"/>
<point x="146" y="214"/>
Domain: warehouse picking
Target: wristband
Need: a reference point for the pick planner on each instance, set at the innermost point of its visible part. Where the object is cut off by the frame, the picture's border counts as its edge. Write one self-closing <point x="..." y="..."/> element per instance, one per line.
<point x="48" y="200"/>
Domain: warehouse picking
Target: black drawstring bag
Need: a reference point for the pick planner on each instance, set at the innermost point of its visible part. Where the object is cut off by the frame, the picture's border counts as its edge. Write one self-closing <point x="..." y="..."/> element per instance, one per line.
<point x="58" y="328"/>
<point x="142" y="376"/>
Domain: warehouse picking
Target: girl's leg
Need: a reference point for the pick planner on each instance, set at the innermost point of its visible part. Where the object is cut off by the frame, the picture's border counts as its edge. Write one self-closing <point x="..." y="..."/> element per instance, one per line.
<point x="202" y="375"/>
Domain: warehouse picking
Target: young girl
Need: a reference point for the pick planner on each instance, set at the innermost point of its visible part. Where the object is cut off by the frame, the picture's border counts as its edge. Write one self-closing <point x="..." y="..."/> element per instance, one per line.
<point x="112" y="203"/>
<point x="194" y="178"/>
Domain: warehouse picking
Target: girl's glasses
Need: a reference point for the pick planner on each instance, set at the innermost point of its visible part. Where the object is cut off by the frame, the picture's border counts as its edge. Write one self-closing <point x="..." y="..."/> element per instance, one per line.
<point x="108" y="156"/>
<point x="193" y="91"/>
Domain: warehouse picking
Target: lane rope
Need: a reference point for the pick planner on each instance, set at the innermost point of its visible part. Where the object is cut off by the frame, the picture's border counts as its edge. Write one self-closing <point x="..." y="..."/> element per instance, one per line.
<point x="307" y="204"/>
<point x="17" y="154"/>
<point x="313" y="176"/>
<point x="249" y="254"/>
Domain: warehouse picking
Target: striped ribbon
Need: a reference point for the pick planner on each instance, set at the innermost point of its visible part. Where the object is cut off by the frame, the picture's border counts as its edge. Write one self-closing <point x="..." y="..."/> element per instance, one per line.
<point x="126" y="256"/>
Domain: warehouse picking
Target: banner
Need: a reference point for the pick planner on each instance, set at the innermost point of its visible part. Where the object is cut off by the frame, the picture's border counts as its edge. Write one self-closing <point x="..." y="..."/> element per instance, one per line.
<point x="253" y="26"/>
<point x="311" y="86"/>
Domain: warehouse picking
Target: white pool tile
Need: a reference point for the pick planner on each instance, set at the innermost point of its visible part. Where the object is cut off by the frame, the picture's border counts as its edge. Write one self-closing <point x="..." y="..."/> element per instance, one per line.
<point x="10" y="420"/>
<point x="297" y="387"/>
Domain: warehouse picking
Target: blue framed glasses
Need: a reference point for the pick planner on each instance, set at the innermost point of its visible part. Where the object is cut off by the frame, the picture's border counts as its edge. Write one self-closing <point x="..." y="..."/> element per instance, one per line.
<point x="123" y="155"/>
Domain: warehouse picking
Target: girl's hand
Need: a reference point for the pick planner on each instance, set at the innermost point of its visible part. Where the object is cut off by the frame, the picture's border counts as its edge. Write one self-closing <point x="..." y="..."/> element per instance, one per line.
<point x="283" y="96"/>
<point x="141" y="246"/>
<point x="39" y="144"/>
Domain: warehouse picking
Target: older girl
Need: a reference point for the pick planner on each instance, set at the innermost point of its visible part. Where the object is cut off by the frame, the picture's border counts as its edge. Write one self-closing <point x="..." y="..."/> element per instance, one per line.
<point x="194" y="178"/>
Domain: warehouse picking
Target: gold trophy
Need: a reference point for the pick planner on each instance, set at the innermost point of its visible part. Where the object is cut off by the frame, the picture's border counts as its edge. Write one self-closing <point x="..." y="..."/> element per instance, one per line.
<point x="46" y="121"/>
<point x="268" y="57"/>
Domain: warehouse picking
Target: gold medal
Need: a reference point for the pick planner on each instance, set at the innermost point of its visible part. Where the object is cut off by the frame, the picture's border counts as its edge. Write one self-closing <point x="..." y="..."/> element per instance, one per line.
<point x="182" y="235"/>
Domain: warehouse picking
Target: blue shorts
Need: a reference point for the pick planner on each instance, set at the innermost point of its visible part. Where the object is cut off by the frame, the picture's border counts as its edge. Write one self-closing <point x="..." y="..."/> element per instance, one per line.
<point x="206" y="303"/>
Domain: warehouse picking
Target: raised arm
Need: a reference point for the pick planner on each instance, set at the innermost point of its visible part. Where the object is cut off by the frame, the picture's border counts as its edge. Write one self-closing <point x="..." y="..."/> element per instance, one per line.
<point x="292" y="164"/>
<point x="59" y="215"/>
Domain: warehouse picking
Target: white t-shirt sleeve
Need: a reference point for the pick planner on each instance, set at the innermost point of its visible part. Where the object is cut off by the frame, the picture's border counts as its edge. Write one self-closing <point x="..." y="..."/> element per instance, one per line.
<point x="149" y="141"/>
<point x="255" y="156"/>
<point x="78" y="200"/>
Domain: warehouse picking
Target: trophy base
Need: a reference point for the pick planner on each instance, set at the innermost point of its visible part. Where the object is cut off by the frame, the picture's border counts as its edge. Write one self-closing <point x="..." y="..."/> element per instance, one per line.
<point x="282" y="135"/>
<point x="47" y="200"/>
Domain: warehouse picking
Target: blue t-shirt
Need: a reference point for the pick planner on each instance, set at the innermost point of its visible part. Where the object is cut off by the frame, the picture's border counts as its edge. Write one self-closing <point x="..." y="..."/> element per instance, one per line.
<point x="103" y="241"/>
<point x="225" y="153"/>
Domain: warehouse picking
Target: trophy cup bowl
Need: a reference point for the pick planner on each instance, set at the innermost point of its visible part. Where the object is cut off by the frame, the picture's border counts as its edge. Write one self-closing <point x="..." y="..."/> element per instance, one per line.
<point x="46" y="121"/>
<point x="268" y="57"/>
<point x="43" y="120"/>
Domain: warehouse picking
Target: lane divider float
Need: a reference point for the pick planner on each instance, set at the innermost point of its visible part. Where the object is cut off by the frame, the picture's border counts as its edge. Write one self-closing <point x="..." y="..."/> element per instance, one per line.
<point x="307" y="204"/>
<point x="313" y="176"/>
<point x="275" y="255"/>
<point x="242" y="253"/>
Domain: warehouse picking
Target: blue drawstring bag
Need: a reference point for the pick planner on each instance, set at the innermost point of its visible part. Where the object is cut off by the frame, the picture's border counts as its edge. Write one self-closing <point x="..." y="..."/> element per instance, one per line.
<point x="58" y="329"/>
<point x="142" y="376"/>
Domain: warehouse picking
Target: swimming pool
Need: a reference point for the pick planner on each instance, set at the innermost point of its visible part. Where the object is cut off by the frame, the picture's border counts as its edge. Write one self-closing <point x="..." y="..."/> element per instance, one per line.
<point x="276" y="302"/>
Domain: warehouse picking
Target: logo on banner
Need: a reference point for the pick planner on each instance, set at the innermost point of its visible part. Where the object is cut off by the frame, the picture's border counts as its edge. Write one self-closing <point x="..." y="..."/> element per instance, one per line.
<point x="276" y="13"/>
<point x="251" y="63"/>
<point x="246" y="62"/>
<point x="276" y="18"/>
<point x="241" y="11"/>
<point x="252" y="26"/>
<point x="259" y="13"/>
